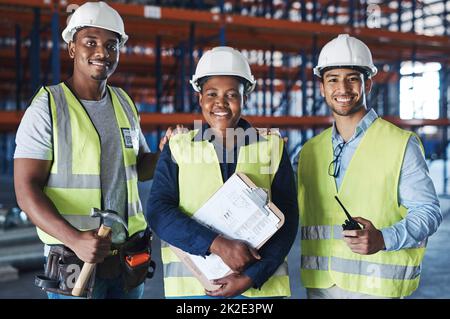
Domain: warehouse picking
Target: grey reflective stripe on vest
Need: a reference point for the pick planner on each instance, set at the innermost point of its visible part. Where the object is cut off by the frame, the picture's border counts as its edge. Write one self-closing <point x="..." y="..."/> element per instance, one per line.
<point x="282" y="270"/>
<point x="131" y="172"/>
<point x="64" y="134"/>
<point x="164" y="244"/>
<point x="82" y="221"/>
<point x="367" y="268"/>
<point x="360" y="267"/>
<point x="73" y="181"/>
<point x="318" y="232"/>
<point x="314" y="262"/>
<point x="178" y="269"/>
<point x="134" y="208"/>
<point x="123" y="101"/>
<point x="315" y="232"/>
<point x="337" y="232"/>
<point x="64" y="177"/>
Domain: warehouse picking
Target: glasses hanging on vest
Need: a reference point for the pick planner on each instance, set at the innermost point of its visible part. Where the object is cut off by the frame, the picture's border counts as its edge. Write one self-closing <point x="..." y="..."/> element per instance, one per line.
<point x="335" y="165"/>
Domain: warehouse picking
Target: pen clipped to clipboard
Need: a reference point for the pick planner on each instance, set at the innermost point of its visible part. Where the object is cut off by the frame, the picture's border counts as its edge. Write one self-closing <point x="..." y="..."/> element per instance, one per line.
<point x="238" y="210"/>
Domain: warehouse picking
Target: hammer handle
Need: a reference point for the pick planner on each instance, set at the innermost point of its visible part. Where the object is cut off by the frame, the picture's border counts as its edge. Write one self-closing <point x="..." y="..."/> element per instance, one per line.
<point x="103" y="231"/>
<point x="88" y="268"/>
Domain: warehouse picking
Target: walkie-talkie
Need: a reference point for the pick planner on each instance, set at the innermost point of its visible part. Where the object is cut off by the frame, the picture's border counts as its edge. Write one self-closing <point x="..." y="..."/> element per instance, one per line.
<point x="350" y="223"/>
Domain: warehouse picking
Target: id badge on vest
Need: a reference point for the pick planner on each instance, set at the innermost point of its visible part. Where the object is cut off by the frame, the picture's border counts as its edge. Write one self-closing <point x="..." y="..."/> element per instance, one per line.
<point x="130" y="139"/>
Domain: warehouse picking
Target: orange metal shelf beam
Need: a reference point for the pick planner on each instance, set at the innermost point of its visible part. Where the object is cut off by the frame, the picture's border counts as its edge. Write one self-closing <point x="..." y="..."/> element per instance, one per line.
<point x="281" y="28"/>
<point x="9" y="121"/>
<point x="243" y="32"/>
<point x="143" y="32"/>
<point x="142" y="67"/>
<point x="28" y="3"/>
<point x="327" y="31"/>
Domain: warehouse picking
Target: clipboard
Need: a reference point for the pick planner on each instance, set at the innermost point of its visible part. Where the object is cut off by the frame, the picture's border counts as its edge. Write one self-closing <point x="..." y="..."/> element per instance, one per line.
<point x="253" y="219"/>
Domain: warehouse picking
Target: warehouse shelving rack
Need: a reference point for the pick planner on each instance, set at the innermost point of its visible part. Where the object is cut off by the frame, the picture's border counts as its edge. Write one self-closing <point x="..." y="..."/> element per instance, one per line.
<point x="281" y="39"/>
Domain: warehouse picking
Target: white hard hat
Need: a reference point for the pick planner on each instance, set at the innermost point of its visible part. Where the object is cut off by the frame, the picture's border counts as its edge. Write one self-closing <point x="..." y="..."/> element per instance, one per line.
<point x="345" y="51"/>
<point x="223" y="61"/>
<point x="98" y="15"/>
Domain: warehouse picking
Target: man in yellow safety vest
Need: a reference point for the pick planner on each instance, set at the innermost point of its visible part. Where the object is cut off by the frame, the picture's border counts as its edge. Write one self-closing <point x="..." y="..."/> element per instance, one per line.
<point x="80" y="146"/>
<point x="378" y="171"/>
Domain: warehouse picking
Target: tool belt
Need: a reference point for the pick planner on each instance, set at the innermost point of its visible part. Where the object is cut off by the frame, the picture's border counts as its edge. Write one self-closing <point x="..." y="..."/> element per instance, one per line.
<point x="62" y="269"/>
<point x="130" y="260"/>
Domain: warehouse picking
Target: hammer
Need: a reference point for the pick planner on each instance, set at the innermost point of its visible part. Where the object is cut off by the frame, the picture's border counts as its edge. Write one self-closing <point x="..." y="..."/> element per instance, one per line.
<point x="107" y="217"/>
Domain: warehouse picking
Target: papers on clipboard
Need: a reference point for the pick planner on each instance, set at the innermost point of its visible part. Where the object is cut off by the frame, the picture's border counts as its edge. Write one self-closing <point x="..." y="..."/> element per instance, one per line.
<point x="238" y="210"/>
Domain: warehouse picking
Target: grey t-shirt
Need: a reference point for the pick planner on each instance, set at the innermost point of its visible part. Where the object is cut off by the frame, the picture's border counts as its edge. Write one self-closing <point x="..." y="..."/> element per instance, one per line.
<point x="34" y="140"/>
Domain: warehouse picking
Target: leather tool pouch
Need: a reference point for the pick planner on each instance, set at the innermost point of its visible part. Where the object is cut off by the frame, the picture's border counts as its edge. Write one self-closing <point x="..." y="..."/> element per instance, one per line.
<point x="135" y="259"/>
<point x="61" y="272"/>
<point x="132" y="260"/>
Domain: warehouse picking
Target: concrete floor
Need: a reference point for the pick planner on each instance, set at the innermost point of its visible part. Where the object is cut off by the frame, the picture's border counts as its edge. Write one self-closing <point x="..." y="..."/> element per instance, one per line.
<point x="435" y="279"/>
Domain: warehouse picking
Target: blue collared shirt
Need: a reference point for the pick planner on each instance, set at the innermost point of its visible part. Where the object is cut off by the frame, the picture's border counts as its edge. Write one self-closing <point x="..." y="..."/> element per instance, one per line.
<point x="176" y="228"/>
<point x="415" y="191"/>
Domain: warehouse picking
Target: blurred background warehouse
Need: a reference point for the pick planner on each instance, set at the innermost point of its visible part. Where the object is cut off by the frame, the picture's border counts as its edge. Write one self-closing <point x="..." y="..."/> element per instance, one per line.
<point x="410" y="43"/>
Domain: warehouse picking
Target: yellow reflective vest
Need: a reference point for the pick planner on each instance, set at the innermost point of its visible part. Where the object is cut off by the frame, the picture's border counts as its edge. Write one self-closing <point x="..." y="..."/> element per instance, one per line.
<point x="369" y="189"/>
<point x="199" y="177"/>
<point x="74" y="182"/>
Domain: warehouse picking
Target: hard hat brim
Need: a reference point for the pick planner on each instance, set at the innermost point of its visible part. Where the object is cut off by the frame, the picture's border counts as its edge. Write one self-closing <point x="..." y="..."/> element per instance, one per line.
<point x="248" y="88"/>
<point x="68" y="34"/>
<point x="369" y="71"/>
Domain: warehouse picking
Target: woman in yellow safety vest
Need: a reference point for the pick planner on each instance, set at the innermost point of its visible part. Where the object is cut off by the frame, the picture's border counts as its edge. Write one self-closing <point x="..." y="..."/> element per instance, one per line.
<point x="196" y="164"/>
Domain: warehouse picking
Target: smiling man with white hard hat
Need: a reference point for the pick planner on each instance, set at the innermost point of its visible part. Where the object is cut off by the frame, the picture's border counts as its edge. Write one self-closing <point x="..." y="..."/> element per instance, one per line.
<point x="97" y="15"/>
<point x="378" y="171"/>
<point x="80" y="146"/>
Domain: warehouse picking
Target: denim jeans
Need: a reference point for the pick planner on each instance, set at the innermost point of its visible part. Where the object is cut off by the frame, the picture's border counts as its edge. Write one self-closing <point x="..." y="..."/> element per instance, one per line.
<point x="107" y="289"/>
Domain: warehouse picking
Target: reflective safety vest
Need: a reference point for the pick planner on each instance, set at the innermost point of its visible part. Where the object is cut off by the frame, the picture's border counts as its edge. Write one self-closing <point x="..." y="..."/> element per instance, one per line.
<point x="74" y="184"/>
<point x="370" y="190"/>
<point x="199" y="177"/>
